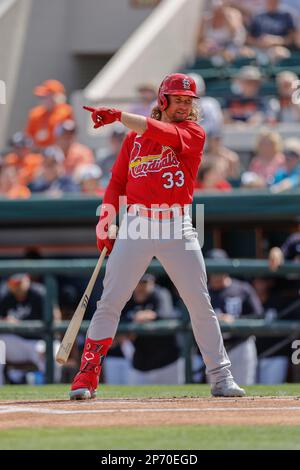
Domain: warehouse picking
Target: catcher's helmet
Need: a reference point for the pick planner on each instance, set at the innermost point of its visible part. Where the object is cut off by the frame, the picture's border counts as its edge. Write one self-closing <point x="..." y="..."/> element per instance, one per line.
<point x="175" y="84"/>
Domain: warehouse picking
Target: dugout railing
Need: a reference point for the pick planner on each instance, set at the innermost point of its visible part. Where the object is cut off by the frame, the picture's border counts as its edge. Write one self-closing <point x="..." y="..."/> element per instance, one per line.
<point x="48" y="328"/>
<point x="243" y="222"/>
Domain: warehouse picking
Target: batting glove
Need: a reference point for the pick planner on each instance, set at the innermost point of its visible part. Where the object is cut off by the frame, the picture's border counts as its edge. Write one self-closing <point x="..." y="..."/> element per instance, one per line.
<point x="104" y="116"/>
<point x="105" y="235"/>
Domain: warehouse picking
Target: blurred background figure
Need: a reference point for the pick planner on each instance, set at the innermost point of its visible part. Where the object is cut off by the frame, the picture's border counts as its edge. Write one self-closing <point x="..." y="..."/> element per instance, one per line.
<point x="10" y="186"/>
<point x="147" y="94"/>
<point x="155" y="359"/>
<point x="215" y="150"/>
<point x="222" y="33"/>
<point x="272" y="32"/>
<point x="273" y="352"/>
<point x="24" y="157"/>
<point x="212" y="176"/>
<point x="283" y="107"/>
<point x="22" y="300"/>
<point x="268" y="159"/>
<point x="88" y="178"/>
<point x="20" y="164"/>
<point x="245" y="105"/>
<point x="52" y="111"/>
<point x="52" y="178"/>
<point x="233" y="299"/>
<point x="288" y="177"/>
<point x="248" y="8"/>
<point x="211" y="115"/>
<point x="106" y="157"/>
<point x="289" y="251"/>
<point x="75" y="153"/>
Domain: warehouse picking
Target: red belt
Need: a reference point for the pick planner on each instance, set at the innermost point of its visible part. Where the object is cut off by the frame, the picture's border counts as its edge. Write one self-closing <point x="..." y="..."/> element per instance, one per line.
<point x="156" y="214"/>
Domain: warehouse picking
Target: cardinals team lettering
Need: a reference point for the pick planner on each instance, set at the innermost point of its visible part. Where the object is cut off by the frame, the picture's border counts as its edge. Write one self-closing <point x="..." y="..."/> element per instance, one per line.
<point x="141" y="165"/>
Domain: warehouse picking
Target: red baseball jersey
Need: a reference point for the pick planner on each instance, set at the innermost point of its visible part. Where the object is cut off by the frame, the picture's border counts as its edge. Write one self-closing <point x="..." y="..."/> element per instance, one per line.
<point x="158" y="167"/>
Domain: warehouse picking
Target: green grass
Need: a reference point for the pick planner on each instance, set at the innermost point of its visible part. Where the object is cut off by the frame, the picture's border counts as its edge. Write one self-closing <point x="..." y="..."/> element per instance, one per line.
<point x="189" y="437"/>
<point x="163" y="437"/>
<point x="45" y="392"/>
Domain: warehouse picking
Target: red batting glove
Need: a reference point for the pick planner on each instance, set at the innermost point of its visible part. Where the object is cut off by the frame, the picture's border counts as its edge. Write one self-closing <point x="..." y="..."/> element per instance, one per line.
<point x="103" y="239"/>
<point x="104" y="116"/>
<point x="107" y="242"/>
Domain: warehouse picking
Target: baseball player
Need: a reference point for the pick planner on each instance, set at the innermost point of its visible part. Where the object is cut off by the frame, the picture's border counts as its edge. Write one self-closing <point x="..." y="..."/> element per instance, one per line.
<point x="155" y="170"/>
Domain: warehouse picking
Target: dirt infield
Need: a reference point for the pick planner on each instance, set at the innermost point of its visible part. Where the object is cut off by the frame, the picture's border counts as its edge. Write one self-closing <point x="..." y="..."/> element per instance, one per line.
<point x="150" y="412"/>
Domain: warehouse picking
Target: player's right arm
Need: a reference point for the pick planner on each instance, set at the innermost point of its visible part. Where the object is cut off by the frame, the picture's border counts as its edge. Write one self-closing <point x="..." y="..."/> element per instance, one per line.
<point x="177" y="136"/>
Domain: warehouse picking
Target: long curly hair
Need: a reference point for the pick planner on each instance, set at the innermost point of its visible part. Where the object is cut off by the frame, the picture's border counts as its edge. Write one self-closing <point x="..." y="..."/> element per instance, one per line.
<point x="195" y="114"/>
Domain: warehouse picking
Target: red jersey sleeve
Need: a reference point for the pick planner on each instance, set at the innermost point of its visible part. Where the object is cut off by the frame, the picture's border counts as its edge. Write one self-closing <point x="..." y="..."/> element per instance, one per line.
<point x="118" y="181"/>
<point x="181" y="136"/>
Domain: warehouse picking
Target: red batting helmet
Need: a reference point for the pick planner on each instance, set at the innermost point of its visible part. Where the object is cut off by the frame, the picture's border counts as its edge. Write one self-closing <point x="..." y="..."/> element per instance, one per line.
<point x="175" y="84"/>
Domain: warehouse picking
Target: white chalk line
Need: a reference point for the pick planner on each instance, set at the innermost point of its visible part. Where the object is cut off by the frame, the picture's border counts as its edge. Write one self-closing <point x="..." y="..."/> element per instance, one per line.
<point x="17" y="409"/>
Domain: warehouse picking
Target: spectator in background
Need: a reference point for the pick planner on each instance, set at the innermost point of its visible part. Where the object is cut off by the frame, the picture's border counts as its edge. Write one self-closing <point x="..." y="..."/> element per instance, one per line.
<point x="288" y="177"/>
<point x="117" y="367"/>
<point x="233" y="299"/>
<point x="107" y="157"/>
<point x="269" y="157"/>
<point x="245" y="105"/>
<point x="273" y="365"/>
<point x="286" y="106"/>
<point x="88" y="178"/>
<point x="216" y="151"/>
<point x="52" y="178"/>
<point x="272" y="33"/>
<point x="211" y="177"/>
<point x="23" y="158"/>
<point x="50" y="113"/>
<point x="147" y="95"/>
<point x="222" y="33"/>
<point x="76" y="154"/>
<point x="10" y="186"/>
<point x="211" y="115"/>
<point x="156" y="359"/>
<point x="289" y="251"/>
<point x="22" y="300"/>
<point x="248" y="8"/>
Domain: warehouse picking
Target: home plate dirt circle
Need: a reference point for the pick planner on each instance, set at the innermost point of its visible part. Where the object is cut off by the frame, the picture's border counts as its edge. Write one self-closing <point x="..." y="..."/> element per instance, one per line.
<point x="150" y="412"/>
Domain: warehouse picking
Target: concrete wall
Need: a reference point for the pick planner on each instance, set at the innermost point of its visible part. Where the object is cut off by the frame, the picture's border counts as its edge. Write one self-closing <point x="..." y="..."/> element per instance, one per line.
<point x="102" y="25"/>
<point x="163" y="43"/>
<point x="46" y="55"/>
<point x="13" y="17"/>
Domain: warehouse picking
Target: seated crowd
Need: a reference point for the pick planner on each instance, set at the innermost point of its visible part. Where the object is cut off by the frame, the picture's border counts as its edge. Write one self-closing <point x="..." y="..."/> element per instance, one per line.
<point x="47" y="158"/>
<point x="265" y="30"/>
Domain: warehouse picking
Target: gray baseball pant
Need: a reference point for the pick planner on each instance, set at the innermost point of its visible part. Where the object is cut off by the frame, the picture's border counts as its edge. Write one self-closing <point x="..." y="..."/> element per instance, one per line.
<point x="182" y="259"/>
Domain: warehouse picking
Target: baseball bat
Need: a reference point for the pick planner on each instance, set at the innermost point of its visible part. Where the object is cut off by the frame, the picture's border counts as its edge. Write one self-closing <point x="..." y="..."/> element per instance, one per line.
<point x="74" y="325"/>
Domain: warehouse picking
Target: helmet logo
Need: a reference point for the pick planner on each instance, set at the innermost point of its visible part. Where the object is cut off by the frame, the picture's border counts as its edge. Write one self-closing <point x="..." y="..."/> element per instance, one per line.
<point x="186" y="84"/>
